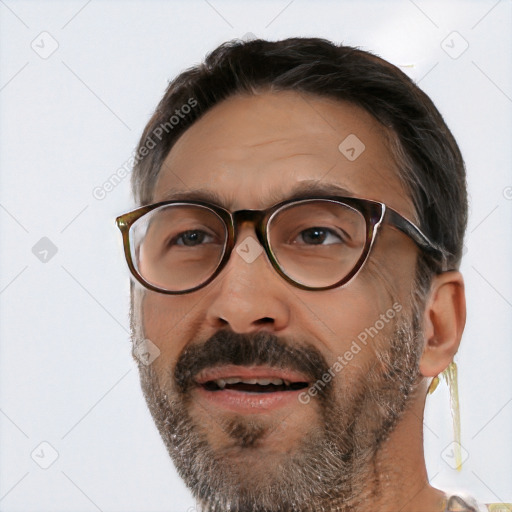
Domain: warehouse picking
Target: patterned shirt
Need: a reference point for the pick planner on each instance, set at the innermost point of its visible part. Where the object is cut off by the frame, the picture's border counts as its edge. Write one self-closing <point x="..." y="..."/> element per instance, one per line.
<point x="468" y="504"/>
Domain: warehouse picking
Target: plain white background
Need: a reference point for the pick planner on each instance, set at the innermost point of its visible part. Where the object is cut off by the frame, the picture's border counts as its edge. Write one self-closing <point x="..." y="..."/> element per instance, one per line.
<point x="69" y="120"/>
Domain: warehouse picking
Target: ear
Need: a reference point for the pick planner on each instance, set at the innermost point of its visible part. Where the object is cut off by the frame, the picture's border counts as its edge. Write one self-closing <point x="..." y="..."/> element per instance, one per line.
<point x="443" y="322"/>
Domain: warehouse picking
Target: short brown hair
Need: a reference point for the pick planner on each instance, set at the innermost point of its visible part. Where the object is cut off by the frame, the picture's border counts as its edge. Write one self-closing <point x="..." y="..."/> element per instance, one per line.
<point x="430" y="163"/>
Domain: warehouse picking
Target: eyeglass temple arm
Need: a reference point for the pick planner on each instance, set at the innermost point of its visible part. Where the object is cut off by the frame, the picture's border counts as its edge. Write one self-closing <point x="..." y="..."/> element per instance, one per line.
<point x="407" y="227"/>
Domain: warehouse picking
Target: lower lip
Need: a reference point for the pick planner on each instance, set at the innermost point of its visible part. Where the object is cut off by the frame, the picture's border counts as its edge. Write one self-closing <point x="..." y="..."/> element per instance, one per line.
<point x="250" y="403"/>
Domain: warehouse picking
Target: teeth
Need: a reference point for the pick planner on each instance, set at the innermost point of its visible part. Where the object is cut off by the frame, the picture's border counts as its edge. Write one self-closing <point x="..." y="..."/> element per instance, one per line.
<point x="232" y="380"/>
<point x="263" y="382"/>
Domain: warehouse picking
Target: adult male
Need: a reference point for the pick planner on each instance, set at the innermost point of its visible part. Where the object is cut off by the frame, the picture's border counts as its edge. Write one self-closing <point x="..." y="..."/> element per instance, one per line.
<point x="294" y="377"/>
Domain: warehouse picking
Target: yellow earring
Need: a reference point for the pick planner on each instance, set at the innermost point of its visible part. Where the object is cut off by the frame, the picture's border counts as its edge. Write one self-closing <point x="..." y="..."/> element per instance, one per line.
<point x="433" y="385"/>
<point x="450" y="375"/>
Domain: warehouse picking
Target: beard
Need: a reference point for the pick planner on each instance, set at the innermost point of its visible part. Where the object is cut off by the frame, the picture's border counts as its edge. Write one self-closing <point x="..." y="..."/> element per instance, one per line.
<point x="332" y="465"/>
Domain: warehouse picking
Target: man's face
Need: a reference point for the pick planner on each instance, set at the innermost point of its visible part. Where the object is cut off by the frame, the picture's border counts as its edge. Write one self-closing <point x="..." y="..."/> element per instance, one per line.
<point x="274" y="450"/>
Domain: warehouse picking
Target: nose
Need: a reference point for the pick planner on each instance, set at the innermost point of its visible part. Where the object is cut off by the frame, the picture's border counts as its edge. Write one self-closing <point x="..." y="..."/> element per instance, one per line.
<point x="248" y="295"/>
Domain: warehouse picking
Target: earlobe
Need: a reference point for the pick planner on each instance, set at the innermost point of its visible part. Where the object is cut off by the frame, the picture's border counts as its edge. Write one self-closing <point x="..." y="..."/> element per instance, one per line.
<point x="443" y="322"/>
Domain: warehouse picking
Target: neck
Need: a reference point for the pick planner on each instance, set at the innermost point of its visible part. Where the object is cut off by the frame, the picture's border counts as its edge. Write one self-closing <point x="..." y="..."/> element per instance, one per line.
<point x="396" y="479"/>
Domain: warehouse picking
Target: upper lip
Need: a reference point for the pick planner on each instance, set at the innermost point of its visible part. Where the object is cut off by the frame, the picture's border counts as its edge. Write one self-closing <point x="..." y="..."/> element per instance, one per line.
<point x="248" y="372"/>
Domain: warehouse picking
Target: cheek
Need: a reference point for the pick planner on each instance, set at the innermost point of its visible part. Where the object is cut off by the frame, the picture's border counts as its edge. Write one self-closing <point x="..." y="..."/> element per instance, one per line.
<point x="167" y="322"/>
<point x="343" y="317"/>
<point x="364" y="323"/>
<point x="356" y="320"/>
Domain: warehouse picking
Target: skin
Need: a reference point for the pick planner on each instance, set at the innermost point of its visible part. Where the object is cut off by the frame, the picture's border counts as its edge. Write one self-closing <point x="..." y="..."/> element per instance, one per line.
<point x="252" y="150"/>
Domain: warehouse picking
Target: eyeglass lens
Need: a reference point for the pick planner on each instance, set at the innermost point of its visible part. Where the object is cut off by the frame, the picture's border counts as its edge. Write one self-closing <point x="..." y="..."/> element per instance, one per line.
<point x="315" y="242"/>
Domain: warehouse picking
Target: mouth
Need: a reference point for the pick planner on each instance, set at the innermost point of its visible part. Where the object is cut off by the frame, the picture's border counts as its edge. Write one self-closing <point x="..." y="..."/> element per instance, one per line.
<point x="250" y="389"/>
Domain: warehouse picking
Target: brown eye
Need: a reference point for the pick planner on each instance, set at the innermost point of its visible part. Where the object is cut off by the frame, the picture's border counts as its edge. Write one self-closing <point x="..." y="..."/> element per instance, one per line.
<point x="190" y="238"/>
<point x="318" y="235"/>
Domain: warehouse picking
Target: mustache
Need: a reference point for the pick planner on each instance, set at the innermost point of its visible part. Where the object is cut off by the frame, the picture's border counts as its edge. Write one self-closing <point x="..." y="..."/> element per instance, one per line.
<point x="247" y="349"/>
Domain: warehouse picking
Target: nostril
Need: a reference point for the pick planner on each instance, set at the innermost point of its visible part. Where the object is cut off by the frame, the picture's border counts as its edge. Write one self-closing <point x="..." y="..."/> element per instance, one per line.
<point x="264" y="321"/>
<point x="222" y="322"/>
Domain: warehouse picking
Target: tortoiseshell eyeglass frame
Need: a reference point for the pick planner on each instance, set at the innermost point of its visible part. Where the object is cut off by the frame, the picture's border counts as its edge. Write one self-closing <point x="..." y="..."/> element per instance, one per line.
<point x="375" y="214"/>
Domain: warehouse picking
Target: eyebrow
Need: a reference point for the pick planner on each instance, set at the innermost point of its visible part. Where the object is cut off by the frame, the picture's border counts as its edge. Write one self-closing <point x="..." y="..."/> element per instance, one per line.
<point x="301" y="190"/>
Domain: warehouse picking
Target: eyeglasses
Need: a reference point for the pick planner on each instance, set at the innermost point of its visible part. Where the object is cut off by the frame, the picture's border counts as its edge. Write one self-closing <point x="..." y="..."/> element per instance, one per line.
<point x="315" y="243"/>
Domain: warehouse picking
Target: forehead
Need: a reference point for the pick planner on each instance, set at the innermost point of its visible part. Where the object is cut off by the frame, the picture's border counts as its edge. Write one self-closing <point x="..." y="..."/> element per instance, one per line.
<point x="252" y="151"/>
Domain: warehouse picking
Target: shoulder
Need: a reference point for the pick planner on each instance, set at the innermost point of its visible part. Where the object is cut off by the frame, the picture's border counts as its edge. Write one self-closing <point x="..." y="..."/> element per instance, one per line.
<point x="469" y="504"/>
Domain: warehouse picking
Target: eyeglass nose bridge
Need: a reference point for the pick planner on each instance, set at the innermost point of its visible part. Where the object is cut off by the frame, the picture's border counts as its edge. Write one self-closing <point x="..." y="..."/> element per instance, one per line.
<point x="255" y="217"/>
<point x="260" y="220"/>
